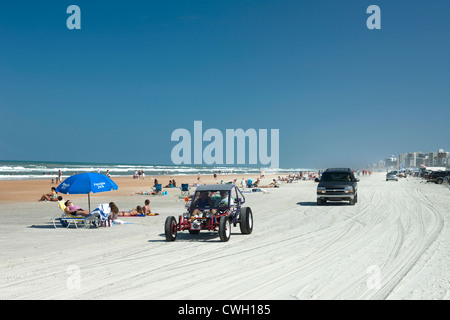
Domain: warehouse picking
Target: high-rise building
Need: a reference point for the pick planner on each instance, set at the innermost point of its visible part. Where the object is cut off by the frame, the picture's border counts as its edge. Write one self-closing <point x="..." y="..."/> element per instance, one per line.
<point x="391" y="162"/>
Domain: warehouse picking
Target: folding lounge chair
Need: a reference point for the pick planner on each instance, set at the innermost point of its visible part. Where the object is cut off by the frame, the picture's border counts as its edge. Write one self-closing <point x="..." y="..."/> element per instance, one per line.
<point x="184" y="189"/>
<point x="93" y="219"/>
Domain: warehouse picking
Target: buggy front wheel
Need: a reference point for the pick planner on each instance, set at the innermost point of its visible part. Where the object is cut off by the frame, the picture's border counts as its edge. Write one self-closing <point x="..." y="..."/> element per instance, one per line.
<point x="224" y="229"/>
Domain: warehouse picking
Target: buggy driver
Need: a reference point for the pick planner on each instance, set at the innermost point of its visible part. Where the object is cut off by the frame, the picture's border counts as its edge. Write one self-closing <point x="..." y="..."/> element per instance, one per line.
<point x="202" y="203"/>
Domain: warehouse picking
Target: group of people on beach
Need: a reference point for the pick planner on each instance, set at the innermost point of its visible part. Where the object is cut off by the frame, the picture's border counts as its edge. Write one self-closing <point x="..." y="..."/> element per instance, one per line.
<point x="144" y="210"/>
<point x="138" y="174"/>
<point x="74" y="210"/>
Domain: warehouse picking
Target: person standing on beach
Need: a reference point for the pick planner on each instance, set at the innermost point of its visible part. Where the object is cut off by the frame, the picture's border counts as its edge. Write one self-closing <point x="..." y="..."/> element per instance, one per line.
<point x="59" y="175"/>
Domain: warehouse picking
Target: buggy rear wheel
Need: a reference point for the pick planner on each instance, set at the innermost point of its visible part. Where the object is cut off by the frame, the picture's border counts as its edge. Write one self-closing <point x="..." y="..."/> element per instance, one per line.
<point x="170" y="228"/>
<point x="246" y="217"/>
<point x="224" y="229"/>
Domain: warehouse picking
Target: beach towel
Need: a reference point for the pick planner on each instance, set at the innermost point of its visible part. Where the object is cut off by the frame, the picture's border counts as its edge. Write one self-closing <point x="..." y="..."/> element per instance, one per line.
<point x="105" y="211"/>
<point x="118" y="221"/>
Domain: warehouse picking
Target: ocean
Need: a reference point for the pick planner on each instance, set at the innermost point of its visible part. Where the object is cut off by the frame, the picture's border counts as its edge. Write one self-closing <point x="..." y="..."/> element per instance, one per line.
<point x="17" y="170"/>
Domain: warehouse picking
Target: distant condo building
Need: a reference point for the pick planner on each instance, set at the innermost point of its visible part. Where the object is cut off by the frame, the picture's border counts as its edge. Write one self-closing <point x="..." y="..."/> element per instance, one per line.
<point x="418" y="159"/>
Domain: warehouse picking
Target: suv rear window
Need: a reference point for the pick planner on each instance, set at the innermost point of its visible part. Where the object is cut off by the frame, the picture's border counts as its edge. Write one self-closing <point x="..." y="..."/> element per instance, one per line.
<point x="336" y="176"/>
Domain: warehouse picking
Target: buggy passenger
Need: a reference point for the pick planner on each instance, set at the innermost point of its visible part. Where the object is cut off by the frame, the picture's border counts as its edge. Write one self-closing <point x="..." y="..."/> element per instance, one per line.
<point x="222" y="202"/>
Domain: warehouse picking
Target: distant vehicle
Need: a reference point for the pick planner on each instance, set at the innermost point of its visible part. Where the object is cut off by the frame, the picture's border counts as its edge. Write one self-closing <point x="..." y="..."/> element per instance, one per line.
<point x="337" y="184"/>
<point x="213" y="208"/>
<point x="391" y="176"/>
<point x="438" y="176"/>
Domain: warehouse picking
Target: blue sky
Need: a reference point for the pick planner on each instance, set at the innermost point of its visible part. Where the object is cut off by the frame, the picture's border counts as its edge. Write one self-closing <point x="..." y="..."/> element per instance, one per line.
<point x="114" y="91"/>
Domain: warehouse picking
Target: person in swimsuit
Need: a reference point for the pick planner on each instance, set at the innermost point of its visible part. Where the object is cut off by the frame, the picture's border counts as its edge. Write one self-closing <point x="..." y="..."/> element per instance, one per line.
<point x="114" y="211"/>
<point x="147" y="210"/>
<point x="74" y="210"/>
<point x="52" y="196"/>
<point x="138" y="211"/>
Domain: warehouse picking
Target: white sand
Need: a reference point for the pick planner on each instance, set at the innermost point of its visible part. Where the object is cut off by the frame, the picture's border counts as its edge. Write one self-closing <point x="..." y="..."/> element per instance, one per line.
<point x="398" y="231"/>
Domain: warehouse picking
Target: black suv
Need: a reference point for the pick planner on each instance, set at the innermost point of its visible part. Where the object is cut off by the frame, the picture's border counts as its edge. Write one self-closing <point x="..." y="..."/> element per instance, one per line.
<point x="438" y="176"/>
<point x="337" y="184"/>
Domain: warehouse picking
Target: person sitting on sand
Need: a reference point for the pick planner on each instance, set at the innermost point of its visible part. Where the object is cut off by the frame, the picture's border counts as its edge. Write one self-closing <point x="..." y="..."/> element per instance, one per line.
<point x="274" y="184"/>
<point x="146" y="209"/>
<point x="114" y="211"/>
<point x="169" y="185"/>
<point x="74" y="210"/>
<point x="52" y="196"/>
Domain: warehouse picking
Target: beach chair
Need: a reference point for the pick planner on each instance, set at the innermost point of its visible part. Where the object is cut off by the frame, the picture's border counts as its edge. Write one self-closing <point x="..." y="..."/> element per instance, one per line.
<point x="184" y="189"/>
<point x="157" y="189"/>
<point x="93" y="219"/>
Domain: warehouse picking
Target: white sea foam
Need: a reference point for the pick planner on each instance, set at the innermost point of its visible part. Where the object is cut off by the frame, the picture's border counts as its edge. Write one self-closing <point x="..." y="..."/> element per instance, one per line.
<point x="12" y="170"/>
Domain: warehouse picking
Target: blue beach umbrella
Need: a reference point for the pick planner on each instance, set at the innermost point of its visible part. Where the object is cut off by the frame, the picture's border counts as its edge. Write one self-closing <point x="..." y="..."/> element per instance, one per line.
<point x="85" y="183"/>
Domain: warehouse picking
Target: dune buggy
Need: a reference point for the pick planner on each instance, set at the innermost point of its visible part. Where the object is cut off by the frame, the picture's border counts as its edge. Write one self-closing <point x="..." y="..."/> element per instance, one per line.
<point x="213" y="208"/>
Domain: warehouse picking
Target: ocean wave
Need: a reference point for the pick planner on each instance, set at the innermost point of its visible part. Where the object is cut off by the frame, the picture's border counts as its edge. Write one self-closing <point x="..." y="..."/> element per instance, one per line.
<point x="15" y="170"/>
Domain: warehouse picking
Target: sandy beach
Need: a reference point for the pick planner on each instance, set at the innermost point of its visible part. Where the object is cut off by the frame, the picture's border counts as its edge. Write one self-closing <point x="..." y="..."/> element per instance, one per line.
<point x="393" y="244"/>
<point x="31" y="190"/>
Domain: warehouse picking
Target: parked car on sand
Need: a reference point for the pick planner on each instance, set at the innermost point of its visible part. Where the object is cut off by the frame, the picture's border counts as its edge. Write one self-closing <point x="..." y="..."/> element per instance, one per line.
<point x="438" y="176"/>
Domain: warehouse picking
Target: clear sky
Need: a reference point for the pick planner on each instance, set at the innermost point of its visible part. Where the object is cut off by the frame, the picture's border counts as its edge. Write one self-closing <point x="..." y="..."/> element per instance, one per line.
<point x="114" y="91"/>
